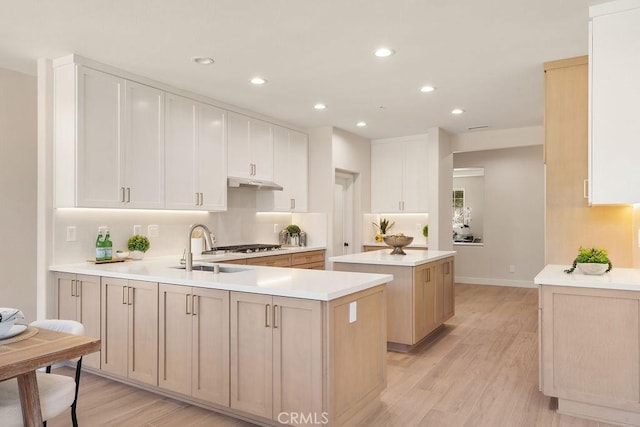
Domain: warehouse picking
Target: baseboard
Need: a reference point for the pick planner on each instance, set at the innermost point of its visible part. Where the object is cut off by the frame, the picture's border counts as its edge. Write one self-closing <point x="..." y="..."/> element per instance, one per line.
<point x="495" y="282"/>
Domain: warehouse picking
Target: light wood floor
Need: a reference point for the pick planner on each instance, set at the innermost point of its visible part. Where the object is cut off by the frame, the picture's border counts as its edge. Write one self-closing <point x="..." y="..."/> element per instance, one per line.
<point x="481" y="371"/>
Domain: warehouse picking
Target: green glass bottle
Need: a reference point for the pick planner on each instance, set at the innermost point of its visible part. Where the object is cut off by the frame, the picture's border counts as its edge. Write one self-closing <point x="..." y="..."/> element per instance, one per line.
<point x="108" y="247"/>
<point x="100" y="249"/>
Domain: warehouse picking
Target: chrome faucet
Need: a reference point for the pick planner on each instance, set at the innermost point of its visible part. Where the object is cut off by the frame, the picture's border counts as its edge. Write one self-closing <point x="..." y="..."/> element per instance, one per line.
<point x="208" y="244"/>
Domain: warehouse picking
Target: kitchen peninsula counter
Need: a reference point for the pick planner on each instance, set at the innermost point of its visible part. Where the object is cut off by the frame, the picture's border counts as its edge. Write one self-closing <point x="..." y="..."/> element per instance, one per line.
<point x="254" y="342"/>
<point x="589" y="342"/>
<point x="411" y="259"/>
<point x="318" y="285"/>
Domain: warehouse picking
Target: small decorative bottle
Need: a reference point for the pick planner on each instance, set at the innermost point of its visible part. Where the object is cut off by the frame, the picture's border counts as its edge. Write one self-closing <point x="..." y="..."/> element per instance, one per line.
<point x="100" y="249"/>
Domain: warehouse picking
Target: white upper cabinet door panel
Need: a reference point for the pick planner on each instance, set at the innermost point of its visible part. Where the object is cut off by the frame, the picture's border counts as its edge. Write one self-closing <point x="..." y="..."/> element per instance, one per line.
<point x="415" y="179"/>
<point x="298" y="170"/>
<point x="181" y="141"/>
<point x="238" y="154"/>
<point x="211" y="161"/>
<point x="261" y="147"/>
<point x="144" y="165"/>
<point x="386" y="177"/>
<point x="615" y="90"/>
<point x="100" y="109"/>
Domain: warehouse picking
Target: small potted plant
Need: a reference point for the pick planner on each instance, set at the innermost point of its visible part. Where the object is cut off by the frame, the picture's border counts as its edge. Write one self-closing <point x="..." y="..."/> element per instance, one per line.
<point x="592" y="261"/>
<point x="382" y="227"/>
<point x="294" y="234"/>
<point x="138" y="245"/>
<point x="425" y="232"/>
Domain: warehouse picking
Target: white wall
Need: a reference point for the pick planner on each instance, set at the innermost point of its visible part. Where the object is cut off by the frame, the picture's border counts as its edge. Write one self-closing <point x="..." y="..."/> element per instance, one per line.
<point x="18" y="162"/>
<point x="513" y="218"/>
<point x="497" y="139"/>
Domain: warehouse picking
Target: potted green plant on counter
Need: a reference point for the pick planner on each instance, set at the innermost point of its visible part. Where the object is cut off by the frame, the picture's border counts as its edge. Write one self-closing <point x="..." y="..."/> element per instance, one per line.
<point x="425" y="233"/>
<point x="294" y="234"/>
<point x="138" y="245"/>
<point x="592" y="261"/>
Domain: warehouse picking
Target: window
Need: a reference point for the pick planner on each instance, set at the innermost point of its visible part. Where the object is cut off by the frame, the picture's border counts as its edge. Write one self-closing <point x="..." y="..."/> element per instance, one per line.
<point x="458" y="206"/>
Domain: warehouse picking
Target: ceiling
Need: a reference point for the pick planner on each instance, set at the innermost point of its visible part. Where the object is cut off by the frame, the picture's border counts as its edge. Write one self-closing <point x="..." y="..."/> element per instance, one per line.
<point x="482" y="56"/>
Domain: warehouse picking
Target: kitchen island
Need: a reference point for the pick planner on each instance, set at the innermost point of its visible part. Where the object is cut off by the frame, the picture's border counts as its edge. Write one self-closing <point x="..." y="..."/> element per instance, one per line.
<point x="419" y="299"/>
<point x="270" y="345"/>
<point x="589" y="342"/>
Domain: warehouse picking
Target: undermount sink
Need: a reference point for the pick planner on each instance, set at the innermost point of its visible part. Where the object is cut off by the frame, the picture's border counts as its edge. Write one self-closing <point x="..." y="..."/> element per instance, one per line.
<point x="211" y="268"/>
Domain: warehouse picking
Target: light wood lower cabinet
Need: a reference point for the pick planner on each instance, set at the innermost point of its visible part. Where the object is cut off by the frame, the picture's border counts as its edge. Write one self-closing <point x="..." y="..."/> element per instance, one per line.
<point x="130" y="329"/>
<point x="276" y="355"/>
<point x="271" y="261"/>
<point x="79" y="300"/>
<point x="590" y="352"/>
<point x="419" y="299"/>
<point x="311" y="260"/>
<point x="194" y="342"/>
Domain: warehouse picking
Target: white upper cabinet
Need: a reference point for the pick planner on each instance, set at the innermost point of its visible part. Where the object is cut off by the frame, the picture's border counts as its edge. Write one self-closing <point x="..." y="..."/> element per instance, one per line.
<point x="195" y="150"/>
<point x="109" y="140"/>
<point x="399" y="177"/>
<point x="250" y="148"/>
<point x="89" y="155"/>
<point x="614" y="109"/>
<point x="144" y="146"/>
<point x="290" y="170"/>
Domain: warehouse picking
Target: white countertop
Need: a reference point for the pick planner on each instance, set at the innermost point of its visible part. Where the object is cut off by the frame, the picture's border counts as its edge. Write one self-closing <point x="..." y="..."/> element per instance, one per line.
<point x="617" y="278"/>
<point x="228" y="256"/>
<point x="411" y="259"/>
<point x="288" y="282"/>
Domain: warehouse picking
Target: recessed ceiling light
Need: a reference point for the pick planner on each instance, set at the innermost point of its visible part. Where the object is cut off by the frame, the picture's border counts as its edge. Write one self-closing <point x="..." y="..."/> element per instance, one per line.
<point x="383" y="52"/>
<point x="457" y="111"/>
<point x="427" y="89"/>
<point x="258" y="81"/>
<point x="319" y="106"/>
<point x="203" y="60"/>
<point x="361" y="124"/>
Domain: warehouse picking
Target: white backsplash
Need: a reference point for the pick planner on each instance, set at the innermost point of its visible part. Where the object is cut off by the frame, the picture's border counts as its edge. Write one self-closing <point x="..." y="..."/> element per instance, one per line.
<point x="408" y="224"/>
<point x="239" y="224"/>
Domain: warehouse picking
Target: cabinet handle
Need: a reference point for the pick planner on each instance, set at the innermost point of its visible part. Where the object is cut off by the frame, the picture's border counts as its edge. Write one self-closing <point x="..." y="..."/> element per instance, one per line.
<point x="201" y="199"/>
<point x="122" y="194"/>
<point x="250" y="169"/>
<point x="78" y="288"/>
<point x="186" y="304"/>
<point x="197" y="199"/>
<point x="73" y="284"/>
<point x="275" y="316"/>
<point x="428" y="275"/>
<point x="293" y="203"/>
<point x="195" y="301"/>
<point x="128" y="194"/>
<point x="585" y="189"/>
<point x="266" y="315"/>
<point x="124" y="288"/>
<point x="130" y="295"/>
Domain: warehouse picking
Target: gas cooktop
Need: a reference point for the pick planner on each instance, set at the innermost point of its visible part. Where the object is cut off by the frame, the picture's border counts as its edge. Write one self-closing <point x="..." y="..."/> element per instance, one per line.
<point x="248" y="249"/>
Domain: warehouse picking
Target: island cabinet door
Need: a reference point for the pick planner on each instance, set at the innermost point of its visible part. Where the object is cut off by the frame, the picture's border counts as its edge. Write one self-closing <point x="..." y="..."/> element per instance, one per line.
<point x="424" y="301"/>
<point x="445" y="298"/>
<point x="297" y="357"/>
<point x="115" y="325"/>
<point x="252" y="353"/>
<point x="79" y="300"/>
<point x="142" y="300"/>
<point x="175" y="337"/>
<point x="210" y="348"/>
<point x="591" y="347"/>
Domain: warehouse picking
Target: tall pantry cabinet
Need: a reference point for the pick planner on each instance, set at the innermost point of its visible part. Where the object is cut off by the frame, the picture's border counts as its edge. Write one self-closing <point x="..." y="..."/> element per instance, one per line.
<point x="570" y="221"/>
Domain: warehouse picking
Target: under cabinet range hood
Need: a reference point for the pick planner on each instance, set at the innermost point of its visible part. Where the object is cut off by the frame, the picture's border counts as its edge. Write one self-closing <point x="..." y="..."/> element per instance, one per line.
<point x="253" y="183"/>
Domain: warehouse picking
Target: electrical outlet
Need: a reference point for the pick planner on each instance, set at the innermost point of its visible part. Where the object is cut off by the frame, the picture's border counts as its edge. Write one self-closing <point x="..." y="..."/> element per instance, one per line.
<point x="153" y="230"/>
<point x="276" y="228"/>
<point x="103" y="229"/>
<point x="512" y="269"/>
<point x="71" y="233"/>
<point x="419" y="227"/>
<point x="137" y="229"/>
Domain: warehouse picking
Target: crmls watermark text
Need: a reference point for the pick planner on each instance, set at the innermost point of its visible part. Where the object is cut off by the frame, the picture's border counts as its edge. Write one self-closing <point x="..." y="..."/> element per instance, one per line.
<point x="301" y="418"/>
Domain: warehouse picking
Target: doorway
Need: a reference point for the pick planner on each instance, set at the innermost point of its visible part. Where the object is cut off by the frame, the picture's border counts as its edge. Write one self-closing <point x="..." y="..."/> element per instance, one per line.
<point x="342" y="235"/>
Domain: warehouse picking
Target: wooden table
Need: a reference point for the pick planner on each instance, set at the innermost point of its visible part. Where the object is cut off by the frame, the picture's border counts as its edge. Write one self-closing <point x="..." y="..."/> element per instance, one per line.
<point x="21" y="359"/>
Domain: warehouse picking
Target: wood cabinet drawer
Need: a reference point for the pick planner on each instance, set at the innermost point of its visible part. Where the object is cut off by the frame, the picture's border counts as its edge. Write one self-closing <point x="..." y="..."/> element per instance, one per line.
<point x="302" y="258"/>
<point x="311" y="265"/>
<point x="271" y="261"/>
<point x="236" y="261"/>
